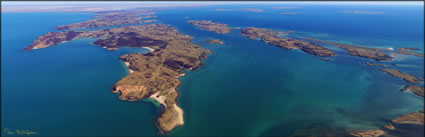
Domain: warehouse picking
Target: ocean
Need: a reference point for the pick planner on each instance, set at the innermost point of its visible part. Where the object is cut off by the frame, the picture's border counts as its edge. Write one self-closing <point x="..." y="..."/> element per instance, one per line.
<point x="246" y="88"/>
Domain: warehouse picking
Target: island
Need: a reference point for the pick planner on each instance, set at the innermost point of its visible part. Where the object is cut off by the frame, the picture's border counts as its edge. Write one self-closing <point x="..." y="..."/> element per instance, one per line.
<point x="364" y="12"/>
<point x="110" y="18"/>
<point x="325" y="59"/>
<point x="375" y="64"/>
<point x="211" y="26"/>
<point x="408" y="51"/>
<point x="154" y="74"/>
<point x="288" y="13"/>
<point x="360" y="51"/>
<point x="216" y="41"/>
<point x="272" y="38"/>
<point x="406" y="77"/>
<point x="242" y="9"/>
<point x="415" y="89"/>
<point x="368" y="133"/>
<point x="411" y="118"/>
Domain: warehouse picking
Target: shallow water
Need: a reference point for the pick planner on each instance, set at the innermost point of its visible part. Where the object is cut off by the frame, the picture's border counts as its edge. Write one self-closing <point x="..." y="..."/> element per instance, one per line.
<point x="245" y="88"/>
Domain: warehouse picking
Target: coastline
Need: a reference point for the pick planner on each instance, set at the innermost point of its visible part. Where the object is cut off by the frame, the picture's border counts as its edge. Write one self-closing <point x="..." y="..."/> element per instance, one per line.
<point x="149" y="48"/>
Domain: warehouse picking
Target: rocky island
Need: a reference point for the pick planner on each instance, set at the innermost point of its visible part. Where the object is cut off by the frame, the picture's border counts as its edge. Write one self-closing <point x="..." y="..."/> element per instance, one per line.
<point x="406" y="77"/>
<point x="411" y="118"/>
<point x="272" y="38"/>
<point x="154" y="74"/>
<point x="360" y="51"/>
<point x="415" y="89"/>
<point x="110" y="18"/>
<point x="211" y="26"/>
<point x="368" y="133"/>
<point x="408" y="51"/>
<point x="376" y="64"/>
<point x="216" y="41"/>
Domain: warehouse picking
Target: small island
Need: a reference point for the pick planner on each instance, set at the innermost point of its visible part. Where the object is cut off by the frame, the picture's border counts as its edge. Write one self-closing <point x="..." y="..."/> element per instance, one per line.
<point x="360" y="51"/>
<point x="375" y="64"/>
<point x="211" y="26"/>
<point x="154" y="74"/>
<point x="288" y="13"/>
<point x="409" y="51"/>
<point x="411" y="118"/>
<point x="216" y="41"/>
<point x="415" y="89"/>
<point x="272" y="38"/>
<point x="368" y="133"/>
<point x="406" y="77"/>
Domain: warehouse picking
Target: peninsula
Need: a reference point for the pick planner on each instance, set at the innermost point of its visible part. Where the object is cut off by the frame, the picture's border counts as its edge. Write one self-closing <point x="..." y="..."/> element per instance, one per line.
<point x="211" y="26"/>
<point x="154" y="74"/>
<point x="272" y="38"/>
<point x="110" y="18"/>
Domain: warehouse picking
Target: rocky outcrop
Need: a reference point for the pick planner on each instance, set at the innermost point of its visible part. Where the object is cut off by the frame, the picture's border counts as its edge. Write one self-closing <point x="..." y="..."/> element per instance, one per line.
<point x="211" y="26"/>
<point x="271" y="37"/>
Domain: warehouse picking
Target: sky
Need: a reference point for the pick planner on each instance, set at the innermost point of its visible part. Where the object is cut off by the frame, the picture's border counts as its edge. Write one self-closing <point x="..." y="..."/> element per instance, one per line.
<point x="215" y="2"/>
<point x="92" y="6"/>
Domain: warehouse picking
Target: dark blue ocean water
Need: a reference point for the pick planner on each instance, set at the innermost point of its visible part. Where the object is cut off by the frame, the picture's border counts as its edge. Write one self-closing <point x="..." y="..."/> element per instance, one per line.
<point x="245" y="88"/>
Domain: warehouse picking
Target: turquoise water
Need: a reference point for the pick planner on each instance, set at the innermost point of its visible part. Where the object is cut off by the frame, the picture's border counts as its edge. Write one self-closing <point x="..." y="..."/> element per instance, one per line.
<point x="245" y="88"/>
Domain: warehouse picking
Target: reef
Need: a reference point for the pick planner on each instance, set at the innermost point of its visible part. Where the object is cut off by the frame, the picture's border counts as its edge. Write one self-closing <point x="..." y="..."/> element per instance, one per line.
<point x="272" y="38"/>
<point x="211" y="26"/>
<point x="154" y="74"/>
<point x="408" y="51"/>
<point x="216" y="41"/>
<point x="360" y="51"/>
<point x="111" y="18"/>
<point x="406" y="77"/>
<point x="415" y="89"/>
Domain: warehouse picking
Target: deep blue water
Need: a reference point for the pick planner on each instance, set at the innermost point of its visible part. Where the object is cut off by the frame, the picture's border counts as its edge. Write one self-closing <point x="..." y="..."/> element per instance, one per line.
<point x="245" y="88"/>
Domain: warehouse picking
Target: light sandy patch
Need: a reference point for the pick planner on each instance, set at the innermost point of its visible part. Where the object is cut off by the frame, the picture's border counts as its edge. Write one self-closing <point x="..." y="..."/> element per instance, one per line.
<point x="159" y="99"/>
<point x="150" y="49"/>
<point x="179" y="120"/>
<point x="128" y="64"/>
